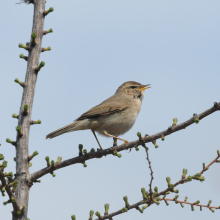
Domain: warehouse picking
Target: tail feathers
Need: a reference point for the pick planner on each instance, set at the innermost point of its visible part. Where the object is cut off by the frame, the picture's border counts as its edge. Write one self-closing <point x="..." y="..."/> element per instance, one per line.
<point x="62" y="130"/>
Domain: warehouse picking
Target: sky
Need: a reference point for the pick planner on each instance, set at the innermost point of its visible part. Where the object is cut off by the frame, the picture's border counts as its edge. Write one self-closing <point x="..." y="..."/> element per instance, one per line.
<point x="96" y="46"/>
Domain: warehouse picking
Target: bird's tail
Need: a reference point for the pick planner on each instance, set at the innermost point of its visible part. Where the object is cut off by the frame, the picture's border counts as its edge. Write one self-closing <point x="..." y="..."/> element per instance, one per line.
<point x="68" y="128"/>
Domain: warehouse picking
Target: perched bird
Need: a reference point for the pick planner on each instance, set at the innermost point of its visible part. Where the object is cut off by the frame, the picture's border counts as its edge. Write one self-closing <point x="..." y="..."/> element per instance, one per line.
<point x="113" y="117"/>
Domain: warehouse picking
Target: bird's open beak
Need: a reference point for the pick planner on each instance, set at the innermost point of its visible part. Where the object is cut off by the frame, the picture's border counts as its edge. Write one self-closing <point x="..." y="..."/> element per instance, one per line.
<point x="145" y="87"/>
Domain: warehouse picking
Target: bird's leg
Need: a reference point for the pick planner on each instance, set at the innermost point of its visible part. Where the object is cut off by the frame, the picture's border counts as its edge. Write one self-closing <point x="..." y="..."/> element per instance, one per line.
<point x="97" y="139"/>
<point x="105" y="133"/>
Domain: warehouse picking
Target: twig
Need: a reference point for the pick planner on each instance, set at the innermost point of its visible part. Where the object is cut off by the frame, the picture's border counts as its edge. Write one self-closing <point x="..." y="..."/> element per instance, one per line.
<point x="9" y="192"/>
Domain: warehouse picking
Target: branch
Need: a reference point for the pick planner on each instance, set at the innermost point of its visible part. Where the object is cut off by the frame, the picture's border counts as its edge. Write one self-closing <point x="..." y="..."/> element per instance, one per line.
<point x="9" y="192"/>
<point x="148" y="200"/>
<point x="111" y="150"/>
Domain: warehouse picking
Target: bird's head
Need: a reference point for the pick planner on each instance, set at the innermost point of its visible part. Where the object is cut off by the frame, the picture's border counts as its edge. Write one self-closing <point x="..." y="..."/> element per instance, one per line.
<point x="133" y="89"/>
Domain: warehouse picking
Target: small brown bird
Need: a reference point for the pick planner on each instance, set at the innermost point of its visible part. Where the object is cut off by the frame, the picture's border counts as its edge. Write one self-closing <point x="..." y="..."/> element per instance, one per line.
<point x="113" y="117"/>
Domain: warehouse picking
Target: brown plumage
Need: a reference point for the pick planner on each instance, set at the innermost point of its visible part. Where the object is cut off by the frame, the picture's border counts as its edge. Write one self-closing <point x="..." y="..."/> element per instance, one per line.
<point x="115" y="116"/>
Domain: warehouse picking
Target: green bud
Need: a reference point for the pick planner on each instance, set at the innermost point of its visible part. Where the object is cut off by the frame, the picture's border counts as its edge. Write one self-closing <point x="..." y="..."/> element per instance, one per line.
<point x="47" y="159"/>
<point x="192" y="208"/>
<point x="92" y="150"/>
<point x="3" y="191"/>
<point x="144" y="207"/>
<point x="33" y="155"/>
<point x="196" y="176"/>
<point x="182" y="205"/>
<point x="212" y="210"/>
<point x="33" y="37"/>
<point x="42" y="64"/>
<point x="158" y="198"/>
<point x="50" y="30"/>
<point x="209" y="203"/>
<point x="46" y="49"/>
<point x="73" y="217"/>
<point x="125" y="198"/>
<point x="115" y="153"/>
<point x="18" y="212"/>
<point x="98" y="214"/>
<point x="14" y="116"/>
<point x="136" y="148"/>
<point x="59" y="159"/>
<point x="184" y="173"/>
<point x="4" y="164"/>
<point x="84" y="151"/>
<point x="143" y="191"/>
<point x="202" y="178"/>
<point x="18" y="129"/>
<point x="166" y="202"/>
<point x="176" y="191"/>
<point x="84" y="164"/>
<point x="22" y="56"/>
<point x="189" y="178"/>
<point x="36" y="122"/>
<point x="196" y="120"/>
<point x="155" y="189"/>
<point x="28" y="44"/>
<point x="124" y="210"/>
<point x="155" y="144"/>
<point x="106" y="209"/>
<point x="197" y="202"/>
<point x="22" y="46"/>
<point x="2" y="157"/>
<point x="48" y="11"/>
<point x="200" y="208"/>
<point x="139" y="135"/>
<point x="14" y="184"/>
<point x="53" y="174"/>
<point x="218" y="153"/>
<point x="162" y="137"/>
<point x="168" y="180"/>
<point x="30" y="164"/>
<point x="52" y="162"/>
<point x="13" y="199"/>
<point x="175" y="121"/>
<point x="157" y="202"/>
<point x="91" y="213"/>
<point x="10" y="175"/>
<point x="176" y="197"/>
<point x="185" y="199"/>
<point x="167" y="193"/>
<point x="5" y="203"/>
<point x="25" y="108"/>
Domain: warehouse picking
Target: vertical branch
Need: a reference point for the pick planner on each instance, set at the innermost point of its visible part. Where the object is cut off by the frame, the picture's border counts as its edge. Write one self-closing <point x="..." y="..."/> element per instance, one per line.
<point x="24" y="119"/>
<point x="151" y="172"/>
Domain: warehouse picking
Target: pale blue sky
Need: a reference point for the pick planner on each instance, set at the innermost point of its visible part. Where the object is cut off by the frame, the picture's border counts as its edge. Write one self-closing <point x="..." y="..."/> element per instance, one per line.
<point x="96" y="46"/>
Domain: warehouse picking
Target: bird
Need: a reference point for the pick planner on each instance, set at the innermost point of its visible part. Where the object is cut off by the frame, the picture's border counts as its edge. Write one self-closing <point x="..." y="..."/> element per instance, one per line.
<point x="113" y="117"/>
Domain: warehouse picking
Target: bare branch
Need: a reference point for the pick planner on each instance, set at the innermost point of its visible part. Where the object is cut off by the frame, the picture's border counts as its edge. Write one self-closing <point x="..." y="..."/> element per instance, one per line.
<point x="111" y="150"/>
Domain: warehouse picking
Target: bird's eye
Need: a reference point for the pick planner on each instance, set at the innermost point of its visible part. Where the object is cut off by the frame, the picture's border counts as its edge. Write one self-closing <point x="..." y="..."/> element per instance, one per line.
<point x="133" y="87"/>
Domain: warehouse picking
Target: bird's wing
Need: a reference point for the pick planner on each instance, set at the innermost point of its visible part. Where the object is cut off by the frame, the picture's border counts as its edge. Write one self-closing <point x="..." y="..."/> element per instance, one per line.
<point x="105" y="108"/>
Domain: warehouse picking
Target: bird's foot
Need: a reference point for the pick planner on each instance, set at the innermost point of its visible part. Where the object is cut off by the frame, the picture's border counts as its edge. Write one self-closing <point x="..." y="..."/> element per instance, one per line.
<point x="125" y="142"/>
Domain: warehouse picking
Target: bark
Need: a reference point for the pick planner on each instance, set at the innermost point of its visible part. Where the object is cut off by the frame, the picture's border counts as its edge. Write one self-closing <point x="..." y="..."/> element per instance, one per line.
<point x="22" y="168"/>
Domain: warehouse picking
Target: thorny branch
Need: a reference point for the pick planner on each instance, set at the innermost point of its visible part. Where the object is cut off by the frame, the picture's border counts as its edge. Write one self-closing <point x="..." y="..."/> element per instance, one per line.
<point x="156" y="196"/>
<point x="112" y="150"/>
